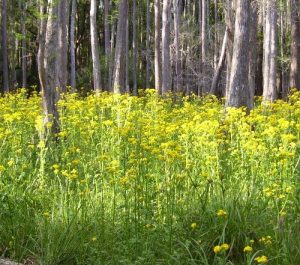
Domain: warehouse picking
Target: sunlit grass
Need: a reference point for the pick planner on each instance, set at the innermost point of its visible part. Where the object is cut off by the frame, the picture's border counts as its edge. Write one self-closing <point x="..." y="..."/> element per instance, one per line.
<point x="150" y="181"/>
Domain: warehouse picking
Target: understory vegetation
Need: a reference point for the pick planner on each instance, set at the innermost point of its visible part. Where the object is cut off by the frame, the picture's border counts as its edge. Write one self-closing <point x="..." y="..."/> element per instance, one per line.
<point x="146" y="180"/>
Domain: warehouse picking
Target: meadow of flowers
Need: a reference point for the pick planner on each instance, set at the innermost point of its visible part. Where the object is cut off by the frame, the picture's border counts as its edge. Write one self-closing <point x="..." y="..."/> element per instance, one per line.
<point x="150" y="181"/>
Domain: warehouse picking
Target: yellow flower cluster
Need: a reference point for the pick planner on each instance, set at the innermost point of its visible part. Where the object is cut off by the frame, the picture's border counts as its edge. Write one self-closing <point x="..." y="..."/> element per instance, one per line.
<point x="261" y="259"/>
<point x="221" y="248"/>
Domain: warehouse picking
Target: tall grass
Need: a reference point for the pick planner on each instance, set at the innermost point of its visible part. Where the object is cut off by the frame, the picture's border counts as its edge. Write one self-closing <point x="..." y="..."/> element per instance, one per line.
<point x="149" y="181"/>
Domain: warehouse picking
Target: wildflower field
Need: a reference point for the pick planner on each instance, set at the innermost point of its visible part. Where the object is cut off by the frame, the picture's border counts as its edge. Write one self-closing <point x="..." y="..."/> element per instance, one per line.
<point x="150" y="181"/>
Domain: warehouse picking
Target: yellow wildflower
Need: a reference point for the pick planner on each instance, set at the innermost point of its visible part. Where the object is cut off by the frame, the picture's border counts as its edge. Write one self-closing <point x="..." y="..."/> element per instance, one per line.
<point x="248" y="249"/>
<point x="262" y="259"/>
<point x="217" y="249"/>
<point x="194" y="225"/>
<point x="225" y="246"/>
<point x="222" y="213"/>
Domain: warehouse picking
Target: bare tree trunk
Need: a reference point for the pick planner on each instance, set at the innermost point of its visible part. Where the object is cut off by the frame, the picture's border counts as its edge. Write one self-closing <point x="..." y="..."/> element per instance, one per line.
<point x="216" y="78"/>
<point x="253" y="52"/>
<point x="95" y="47"/>
<point x="24" y="48"/>
<point x="63" y="40"/>
<point x="158" y="59"/>
<point x="51" y="70"/>
<point x="134" y="48"/>
<point x="216" y="34"/>
<point x="270" y="52"/>
<point x="230" y="21"/>
<point x="4" y="47"/>
<point x="239" y="84"/>
<point x="295" y="45"/>
<point x="41" y="40"/>
<point x="106" y="27"/>
<point x="178" y="72"/>
<point x="119" y="65"/>
<point x="73" y="45"/>
<point x="127" y="89"/>
<point x="203" y="33"/>
<point x="147" y="45"/>
<point x="166" y="62"/>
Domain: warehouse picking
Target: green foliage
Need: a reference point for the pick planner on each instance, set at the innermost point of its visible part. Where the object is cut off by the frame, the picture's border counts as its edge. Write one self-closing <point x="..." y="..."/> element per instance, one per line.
<point x="149" y="181"/>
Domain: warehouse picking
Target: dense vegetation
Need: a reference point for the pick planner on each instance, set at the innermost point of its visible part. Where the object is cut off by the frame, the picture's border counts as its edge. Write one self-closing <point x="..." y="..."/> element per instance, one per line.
<point x="146" y="180"/>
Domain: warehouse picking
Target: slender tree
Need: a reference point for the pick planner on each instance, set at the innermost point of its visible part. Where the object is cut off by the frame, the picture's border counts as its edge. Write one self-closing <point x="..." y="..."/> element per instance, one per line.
<point x="217" y="75"/>
<point x="157" y="59"/>
<point x="166" y="64"/>
<point x="239" y="94"/>
<point x="52" y="85"/>
<point x="24" y="46"/>
<point x="72" y="44"/>
<point x="295" y="45"/>
<point x="63" y="40"/>
<point x="134" y="48"/>
<point x="178" y="73"/>
<point x="4" y="47"/>
<point x="148" y="39"/>
<point x="270" y="51"/>
<point x="119" y="65"/>
<point x="95" y="46"/>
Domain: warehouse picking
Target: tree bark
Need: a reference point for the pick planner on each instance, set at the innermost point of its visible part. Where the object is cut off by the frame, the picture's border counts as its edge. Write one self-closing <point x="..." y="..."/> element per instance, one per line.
<point x="24" y="48"/>
<point x="239" y="84"/>
<point x="95" y="47"/>
<point x="52" y="85"/>
<point x="5" y="88"/>
<point x="270" y="52"/>
<point x="41" y="41"/>
<point x="134" y="48"/>
<point x="216" y="78"/>
<point x="230" y="22"/>
<point x="157" y="40"/>
<point x="178" y="72"/>
<point x="63" y="40"/>
<point x="295" y="45"/>
<point x="119" y="65"/>
<point x="166" y="62"/>
<point x="203" y="33"/>
<point x="253" y="51"/>
<point x="73" y="45"/>
<point x="147" y="45"/>
<point x="106" y="27"/>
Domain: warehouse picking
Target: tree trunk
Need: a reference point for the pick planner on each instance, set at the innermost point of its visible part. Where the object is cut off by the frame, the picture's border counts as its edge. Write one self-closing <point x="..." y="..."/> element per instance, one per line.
<point x="119" y="65"/>
<point x="73" y="45"/>
<point x="158" y="59"/>
<point x="127" y="63"/>
<point x="253" y="52"/>
<point x="216" y="78"/>
<point x="166" y="63"/>
<point x="270" y="52"/>
<point x="41" y="40"/>
<point x="134" y="48"/>
<point x="230" y="21"/>
<point x="5" y="88"/>
<point x="295" y="46"/>
<point x="178" y="72"/>
<point x="63" y="40"/>
<point x="239" y="94"/>
<point x="95" y="47"/>
<point x="147" y="45"/>
<point x="216" y="34"/>
<point x="203" y="33"/>
<point x="24" y="48"/>
<point x="106" y="27"/>
<point x="52" y="85"/>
